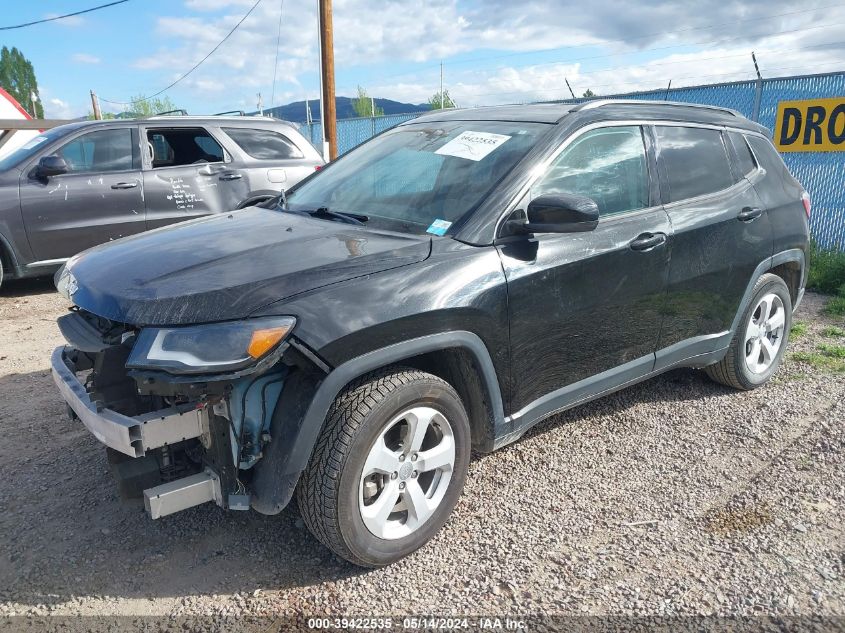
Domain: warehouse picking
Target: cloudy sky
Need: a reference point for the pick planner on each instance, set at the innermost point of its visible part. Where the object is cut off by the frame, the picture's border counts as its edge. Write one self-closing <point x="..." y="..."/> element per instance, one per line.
<point x="493" y="51"/>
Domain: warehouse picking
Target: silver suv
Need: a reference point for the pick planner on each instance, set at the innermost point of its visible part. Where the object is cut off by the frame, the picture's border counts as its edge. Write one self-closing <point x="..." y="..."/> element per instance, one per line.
<point x="86" y="183"/>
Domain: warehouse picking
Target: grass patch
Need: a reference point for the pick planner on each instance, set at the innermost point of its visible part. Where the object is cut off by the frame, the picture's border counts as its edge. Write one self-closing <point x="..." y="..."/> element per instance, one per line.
<point x="799" y="328"/>
<point x="821" y="360"/>
<point x="827" y="270"/>
<point x="827" y="274"/>
<point x="836" y="306"/>
<point x="833" y="332"/>
<point x="832" y="351"/>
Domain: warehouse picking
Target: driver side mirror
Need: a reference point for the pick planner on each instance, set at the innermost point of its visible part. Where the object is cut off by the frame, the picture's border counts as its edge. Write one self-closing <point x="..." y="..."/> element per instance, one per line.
<point x="51" y="166"/>
<point x="559" y="213"/>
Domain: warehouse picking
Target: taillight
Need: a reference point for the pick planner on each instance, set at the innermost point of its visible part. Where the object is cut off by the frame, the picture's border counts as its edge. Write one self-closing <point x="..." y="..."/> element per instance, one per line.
<point x="805" y="200"/>
<point x="317" y="167"/>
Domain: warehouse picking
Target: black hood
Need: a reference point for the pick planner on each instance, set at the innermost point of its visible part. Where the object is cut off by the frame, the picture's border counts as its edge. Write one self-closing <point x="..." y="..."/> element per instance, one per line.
<point x="227" y="266"/>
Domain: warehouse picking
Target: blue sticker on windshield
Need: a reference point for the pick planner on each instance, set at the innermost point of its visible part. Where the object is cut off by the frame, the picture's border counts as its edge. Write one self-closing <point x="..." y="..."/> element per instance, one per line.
<point x="439" y="227"/>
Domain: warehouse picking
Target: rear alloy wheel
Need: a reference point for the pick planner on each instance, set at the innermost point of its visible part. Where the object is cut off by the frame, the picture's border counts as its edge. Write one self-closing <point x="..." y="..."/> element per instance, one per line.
<point x="759" y="343"/>
<point x="388" y="467"/>
<point x="764" y="334"/>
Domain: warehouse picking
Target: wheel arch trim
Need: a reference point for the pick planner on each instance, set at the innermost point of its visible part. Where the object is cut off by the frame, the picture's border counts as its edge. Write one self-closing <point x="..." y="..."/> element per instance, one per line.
<point x="783" y="257"/>
<point x="9" y="252"/>
<point x="346" y="372"/>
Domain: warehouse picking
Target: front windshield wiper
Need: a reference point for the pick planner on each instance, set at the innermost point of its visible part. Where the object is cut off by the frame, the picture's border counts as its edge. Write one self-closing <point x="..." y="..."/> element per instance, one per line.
<point x="281" y="202"/>
<point x="328" y="214"/>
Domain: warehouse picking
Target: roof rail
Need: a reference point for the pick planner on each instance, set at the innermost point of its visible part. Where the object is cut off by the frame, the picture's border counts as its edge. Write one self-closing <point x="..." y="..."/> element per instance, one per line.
<point x="177" y="111"/>
<point x="238" y="112"/>
<point x="598" y="103"/>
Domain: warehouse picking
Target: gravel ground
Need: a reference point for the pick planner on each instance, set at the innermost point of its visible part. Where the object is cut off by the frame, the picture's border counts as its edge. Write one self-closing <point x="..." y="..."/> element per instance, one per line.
<point x="674" y="497"/>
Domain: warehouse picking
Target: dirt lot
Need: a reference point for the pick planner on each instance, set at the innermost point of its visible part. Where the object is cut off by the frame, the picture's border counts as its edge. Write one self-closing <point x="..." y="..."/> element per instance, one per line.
<point x="677" y="496"/>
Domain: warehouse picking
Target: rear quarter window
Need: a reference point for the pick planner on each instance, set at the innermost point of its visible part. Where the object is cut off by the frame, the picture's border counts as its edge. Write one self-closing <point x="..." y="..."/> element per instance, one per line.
<point x="745" y="159"/>
<point x="693" y="161"/>
<point x="264" y="144"/>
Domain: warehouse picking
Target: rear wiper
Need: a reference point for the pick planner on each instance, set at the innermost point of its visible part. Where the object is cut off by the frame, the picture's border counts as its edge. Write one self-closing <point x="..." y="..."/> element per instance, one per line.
<point x="325" y="212"/>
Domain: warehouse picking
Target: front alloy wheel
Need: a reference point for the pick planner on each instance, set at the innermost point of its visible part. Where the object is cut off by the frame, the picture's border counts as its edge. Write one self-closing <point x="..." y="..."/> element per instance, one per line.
<point x="388" y="467"/>
<point x="407" y="473"/>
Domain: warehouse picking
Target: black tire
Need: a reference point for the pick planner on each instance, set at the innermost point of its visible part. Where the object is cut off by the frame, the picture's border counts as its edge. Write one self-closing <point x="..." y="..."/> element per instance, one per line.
<point x="733" y="370"/>
<point x="328" y="491"/>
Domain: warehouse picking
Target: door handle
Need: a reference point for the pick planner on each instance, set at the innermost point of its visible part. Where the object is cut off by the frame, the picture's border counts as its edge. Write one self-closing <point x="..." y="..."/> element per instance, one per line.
<point x="648" y="241"/>
<point x="749" y="213"/>
<point x="125" y="185"/>
<point x="231" y="176"/>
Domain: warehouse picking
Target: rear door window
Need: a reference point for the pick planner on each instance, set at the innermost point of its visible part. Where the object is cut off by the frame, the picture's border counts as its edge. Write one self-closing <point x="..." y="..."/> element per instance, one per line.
<point x="183" y="146"/>
<point x="264" y="144"/>
<point x="693" y="161"/>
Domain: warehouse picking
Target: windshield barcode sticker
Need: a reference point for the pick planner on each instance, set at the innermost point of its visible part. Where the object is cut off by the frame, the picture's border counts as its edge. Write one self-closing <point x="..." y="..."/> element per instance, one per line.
<point x="472" y="145"/>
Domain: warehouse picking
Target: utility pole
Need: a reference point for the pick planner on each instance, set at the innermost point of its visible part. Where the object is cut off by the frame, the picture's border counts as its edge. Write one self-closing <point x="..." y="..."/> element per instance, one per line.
<point x="442" y="100"/>
<point x="327" y="103"/>
<point x="95" y="104"/>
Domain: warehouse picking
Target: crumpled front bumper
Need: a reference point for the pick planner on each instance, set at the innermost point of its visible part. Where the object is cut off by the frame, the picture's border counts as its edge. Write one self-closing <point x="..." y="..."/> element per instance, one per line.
<point x="133" y="436"/>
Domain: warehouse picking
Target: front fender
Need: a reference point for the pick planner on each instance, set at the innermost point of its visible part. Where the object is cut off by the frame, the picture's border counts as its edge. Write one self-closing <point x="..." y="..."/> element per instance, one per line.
<point x="298" y="419"/>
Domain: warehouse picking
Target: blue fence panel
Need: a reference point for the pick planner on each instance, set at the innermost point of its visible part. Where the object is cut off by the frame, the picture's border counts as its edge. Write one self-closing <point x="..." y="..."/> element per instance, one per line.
<point x="353" y="132"/>
<point x="821" y="173"/>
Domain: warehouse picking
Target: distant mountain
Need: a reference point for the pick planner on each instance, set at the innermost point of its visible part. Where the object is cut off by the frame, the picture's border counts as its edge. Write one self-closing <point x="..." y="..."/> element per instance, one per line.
<point x="296" y="111"/>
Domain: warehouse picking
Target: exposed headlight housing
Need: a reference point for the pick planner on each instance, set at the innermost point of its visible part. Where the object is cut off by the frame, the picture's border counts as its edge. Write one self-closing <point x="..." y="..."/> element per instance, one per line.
<point x="209" y="349"/>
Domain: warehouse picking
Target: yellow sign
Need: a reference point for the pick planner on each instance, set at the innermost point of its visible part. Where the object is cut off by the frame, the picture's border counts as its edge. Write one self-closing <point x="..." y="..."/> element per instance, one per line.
<point x="816" y="125"/>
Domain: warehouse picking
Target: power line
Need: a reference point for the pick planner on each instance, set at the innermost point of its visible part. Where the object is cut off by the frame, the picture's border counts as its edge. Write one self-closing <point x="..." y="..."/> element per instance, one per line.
<point x="276" y="63"/>
<point x="197" y="65"/>
<point x="61" y="17"/>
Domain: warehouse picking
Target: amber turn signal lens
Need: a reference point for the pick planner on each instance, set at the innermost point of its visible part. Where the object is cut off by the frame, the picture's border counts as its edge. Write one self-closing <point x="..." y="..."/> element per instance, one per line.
<point x="263" y="341"/>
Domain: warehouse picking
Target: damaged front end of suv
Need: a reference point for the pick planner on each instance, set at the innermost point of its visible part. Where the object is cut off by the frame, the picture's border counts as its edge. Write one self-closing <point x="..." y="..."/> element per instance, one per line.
<point x="182" y="355"/>
<point x="185" y="412"/>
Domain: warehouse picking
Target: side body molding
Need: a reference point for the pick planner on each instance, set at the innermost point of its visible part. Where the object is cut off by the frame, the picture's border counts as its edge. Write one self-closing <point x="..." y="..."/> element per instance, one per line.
<point x="277" y="474"/>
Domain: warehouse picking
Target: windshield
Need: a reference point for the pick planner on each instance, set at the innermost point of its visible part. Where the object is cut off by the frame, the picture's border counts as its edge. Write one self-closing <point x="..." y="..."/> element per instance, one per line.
<point x="28" y="149"/>
<point x="420" y="178"/>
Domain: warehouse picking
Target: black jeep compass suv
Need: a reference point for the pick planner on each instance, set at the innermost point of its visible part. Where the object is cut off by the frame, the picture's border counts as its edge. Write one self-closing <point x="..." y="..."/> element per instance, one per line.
<point x="441" y="288"/>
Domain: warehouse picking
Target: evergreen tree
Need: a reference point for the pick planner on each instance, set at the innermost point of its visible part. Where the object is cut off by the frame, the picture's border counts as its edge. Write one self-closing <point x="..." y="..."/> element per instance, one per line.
<point x="17" y="77"/>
